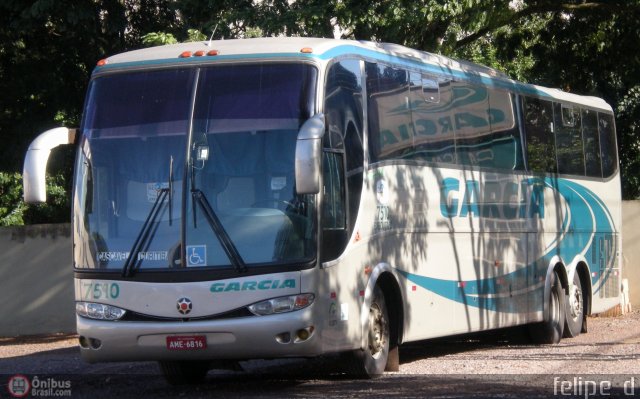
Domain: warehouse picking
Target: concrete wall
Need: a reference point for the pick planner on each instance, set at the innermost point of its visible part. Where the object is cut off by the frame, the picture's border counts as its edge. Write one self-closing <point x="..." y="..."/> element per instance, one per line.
<point x="631" y="249"/>
<point x="36" y="278"/>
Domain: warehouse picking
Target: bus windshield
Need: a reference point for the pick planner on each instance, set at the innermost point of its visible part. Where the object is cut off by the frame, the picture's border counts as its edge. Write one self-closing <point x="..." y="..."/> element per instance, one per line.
<point x="193" y="168"/>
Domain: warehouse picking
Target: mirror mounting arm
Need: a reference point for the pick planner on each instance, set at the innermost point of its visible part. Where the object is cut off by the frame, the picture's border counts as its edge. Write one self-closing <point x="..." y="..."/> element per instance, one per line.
<point x="35" y="163"/>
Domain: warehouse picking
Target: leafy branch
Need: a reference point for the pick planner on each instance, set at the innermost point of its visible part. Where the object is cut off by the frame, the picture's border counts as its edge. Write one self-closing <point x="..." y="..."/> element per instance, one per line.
<point x="513" y="17"/>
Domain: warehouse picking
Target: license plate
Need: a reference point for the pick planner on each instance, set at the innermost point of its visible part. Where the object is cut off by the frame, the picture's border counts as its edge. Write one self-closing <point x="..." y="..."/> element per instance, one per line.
<point x="186" y="342"/>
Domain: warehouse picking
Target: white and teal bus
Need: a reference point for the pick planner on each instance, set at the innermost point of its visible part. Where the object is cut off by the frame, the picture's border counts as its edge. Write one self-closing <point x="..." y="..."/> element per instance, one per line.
<point x="293" y="197"/>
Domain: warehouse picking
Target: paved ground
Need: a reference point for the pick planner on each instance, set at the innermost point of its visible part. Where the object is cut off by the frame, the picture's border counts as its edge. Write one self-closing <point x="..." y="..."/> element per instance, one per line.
<point x="500" y="364"/>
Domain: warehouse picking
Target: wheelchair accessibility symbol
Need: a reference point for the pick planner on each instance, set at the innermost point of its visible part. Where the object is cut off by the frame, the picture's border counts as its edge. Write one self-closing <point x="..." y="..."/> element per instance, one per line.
<point x="196" y="255"/>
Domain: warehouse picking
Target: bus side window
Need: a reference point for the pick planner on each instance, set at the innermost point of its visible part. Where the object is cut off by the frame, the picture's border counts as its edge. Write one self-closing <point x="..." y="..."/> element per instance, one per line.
<point x="607" y="144"/>
<point x="568" y="139"/>
<point x="538" y="124"/>
<point x="591" y="143"/>
<point x="389" y="113"/>
<point x="430" y="100"/>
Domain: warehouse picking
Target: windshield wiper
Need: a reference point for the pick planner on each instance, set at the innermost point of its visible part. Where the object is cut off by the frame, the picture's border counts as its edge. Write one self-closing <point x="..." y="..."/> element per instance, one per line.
<point x="170" y="190"/>
<point x="145" y="235"/>
<point x="228" y="245"/>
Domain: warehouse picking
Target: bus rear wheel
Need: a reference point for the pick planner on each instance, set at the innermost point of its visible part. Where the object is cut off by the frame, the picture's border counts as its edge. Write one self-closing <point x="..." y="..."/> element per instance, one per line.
<point x="550" y="331"/>
<point x="575" y="309"/>
<point x="371" y="361"/>
<point x="184" y="372"/>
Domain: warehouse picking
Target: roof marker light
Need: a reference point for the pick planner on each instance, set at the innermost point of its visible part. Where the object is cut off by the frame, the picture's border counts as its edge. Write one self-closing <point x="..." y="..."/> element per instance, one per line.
<point x="212" y="52"/>
<point x="185" y="54"/>
<point x="306" y="50"/>
<point x="199" y="53"/>
<point x="102" y="62"/>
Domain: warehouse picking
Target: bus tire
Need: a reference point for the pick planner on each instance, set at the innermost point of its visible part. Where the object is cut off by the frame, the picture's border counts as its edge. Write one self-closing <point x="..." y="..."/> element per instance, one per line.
<point x="574" y="309"/>
<point x="551" y="330"/>
<point x="371" y="361"/>
<point x="184" y="372"/>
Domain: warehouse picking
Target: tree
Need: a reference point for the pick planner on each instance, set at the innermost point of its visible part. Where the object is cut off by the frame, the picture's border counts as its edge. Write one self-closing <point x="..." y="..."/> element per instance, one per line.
<point x="628" y="118"/>
<point x="48" y="49"/>
<point x="592" y="51"/>
<point x="14" y="212"/>
<point x="584" y="46"/>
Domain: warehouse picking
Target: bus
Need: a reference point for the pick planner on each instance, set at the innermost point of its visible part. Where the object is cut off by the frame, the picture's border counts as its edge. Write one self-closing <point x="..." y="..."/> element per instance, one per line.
<point x="295" y="197"/>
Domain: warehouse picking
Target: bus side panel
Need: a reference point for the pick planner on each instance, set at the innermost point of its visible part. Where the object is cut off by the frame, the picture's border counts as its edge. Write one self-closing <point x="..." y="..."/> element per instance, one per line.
<point x="457" y="241"/>
<point x="580" y="223"/>
<point x="471" y="250"/>
<point x="605" y="252"/>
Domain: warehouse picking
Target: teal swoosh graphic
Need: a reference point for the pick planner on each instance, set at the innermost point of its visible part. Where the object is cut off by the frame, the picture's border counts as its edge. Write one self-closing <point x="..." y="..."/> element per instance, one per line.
<point x="586" y="220"/>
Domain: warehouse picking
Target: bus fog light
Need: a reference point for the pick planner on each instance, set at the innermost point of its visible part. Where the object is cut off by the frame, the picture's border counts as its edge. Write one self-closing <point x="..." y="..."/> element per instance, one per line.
<point x="304" y="334"/>
<point x="95" y="343"/>
<point x="283" y="338"/>
<point x="282" y="304"/>
<point x="83" y="342"/>
<point x="99" y="311"/>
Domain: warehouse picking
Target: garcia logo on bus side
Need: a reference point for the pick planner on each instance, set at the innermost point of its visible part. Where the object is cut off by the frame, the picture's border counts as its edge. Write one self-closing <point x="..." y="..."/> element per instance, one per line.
<point x="253" y="285"/>
<point x="492" y="199"/>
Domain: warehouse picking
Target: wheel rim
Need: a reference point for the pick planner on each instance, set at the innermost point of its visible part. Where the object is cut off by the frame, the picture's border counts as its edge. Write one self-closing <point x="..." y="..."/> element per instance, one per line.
<point x="377" y="331"/>
<point x="575" y="303"/>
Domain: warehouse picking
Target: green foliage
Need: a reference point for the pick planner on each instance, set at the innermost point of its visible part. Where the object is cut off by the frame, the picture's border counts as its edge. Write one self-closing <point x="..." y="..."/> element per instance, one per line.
<point x="158" y="39"/>
<point x="48" y="49"/>
<point x="628" y="115"/>
<point x="14" y="212"/>
<point x="590" y="51"/>
<point x="583" y="46"/>
<point x="253" y="32"/>
<point x="195" y="35"/>
<point x="11" y="205"/>
<point x="57" y="209"/>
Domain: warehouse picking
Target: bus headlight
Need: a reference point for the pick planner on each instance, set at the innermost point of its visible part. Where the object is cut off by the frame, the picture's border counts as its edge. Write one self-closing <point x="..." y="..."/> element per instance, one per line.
<point x="282" y="304"/>
<point x="99" y="311"/>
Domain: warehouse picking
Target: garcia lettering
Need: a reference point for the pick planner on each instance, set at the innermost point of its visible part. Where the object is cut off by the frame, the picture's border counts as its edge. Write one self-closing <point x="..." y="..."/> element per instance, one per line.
<point x="253" y="285"/>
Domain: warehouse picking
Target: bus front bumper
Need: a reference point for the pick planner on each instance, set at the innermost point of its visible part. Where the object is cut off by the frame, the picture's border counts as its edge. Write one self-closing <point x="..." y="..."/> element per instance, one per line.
<point x="256" y="337"/>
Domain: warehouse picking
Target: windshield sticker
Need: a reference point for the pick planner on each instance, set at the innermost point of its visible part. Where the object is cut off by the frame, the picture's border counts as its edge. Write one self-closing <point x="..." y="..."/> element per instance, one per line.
<point x="153" y="255"/>
<point x="196" y="255"/>
<point x="278" y="183"/>
<point x="112" y="256"/>
<point x="119" y="256"/>
<point x="153" y="189"/>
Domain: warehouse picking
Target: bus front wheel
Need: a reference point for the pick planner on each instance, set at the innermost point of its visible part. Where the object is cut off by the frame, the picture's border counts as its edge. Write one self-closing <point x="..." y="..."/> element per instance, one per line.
<point x="371" y="361"/>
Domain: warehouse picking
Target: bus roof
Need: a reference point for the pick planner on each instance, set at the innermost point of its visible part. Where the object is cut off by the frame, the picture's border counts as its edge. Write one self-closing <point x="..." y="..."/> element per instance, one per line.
<point x="325" y="49"/>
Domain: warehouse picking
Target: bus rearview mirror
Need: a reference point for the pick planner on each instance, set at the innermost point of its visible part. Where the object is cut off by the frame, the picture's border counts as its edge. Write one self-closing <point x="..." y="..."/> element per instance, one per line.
<point x="308" y="163"/>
